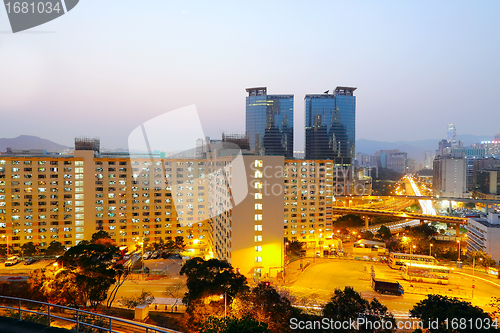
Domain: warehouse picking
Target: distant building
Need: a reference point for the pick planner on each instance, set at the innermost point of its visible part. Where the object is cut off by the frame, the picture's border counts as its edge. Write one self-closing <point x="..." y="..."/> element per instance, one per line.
<point x="412" y="165"/>
<point x="366" y="161"/>
<point x="470" y="154"/>
<point x="452" y="135"/>
<point x="488" y="180"/>
<point x="393" y="160"/>
<point x="491" y="147"/>
<point x="483" y="235"/>
<point x="269" y="123"/>
<point x="330" y="125"/>
<point x="398" y="162"/>
<point x="449" y="179"/>
<point x="481" y="164"/>
<point x="497" y="137"/>
<point x="444" y="148"/>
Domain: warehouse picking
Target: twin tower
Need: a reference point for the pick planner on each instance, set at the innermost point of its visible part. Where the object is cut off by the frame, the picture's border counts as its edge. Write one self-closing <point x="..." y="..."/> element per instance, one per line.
<point x="329" y="124"/>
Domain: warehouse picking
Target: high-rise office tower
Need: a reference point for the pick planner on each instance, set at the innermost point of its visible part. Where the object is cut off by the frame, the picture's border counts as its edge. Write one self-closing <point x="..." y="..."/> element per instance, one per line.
<point x="452" y="135"/>
<point x="330" y="125"/>
<point x="269" y="123"/>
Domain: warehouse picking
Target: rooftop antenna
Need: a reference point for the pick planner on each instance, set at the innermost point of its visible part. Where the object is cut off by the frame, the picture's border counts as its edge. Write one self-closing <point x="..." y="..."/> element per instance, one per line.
<point x="326" y="92"/>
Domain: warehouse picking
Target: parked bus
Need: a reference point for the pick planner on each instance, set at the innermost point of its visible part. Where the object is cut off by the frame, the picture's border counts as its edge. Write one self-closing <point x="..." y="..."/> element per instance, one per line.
<point x="426" y="273"/>
<point x="396" y="260"/>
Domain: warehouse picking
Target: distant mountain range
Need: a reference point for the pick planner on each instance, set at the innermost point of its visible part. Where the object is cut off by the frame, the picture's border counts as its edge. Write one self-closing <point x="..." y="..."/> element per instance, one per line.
<point x="415" y="149"/>
<point x="30" y="142"/>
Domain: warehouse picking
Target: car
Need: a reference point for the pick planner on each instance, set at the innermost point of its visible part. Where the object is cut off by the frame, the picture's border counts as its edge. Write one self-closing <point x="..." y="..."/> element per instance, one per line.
<point x="146" y="255"/>
<point x="30" y="261"/>
<point x="12" y="261"/>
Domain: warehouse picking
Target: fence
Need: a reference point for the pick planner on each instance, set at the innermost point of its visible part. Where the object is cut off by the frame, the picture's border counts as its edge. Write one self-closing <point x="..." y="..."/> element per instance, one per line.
<point x="83" y="320"/>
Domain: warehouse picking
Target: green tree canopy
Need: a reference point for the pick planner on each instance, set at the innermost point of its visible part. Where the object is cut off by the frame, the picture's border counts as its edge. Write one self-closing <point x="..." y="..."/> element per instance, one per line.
<point x="93" y="273"/>
<point x="442" y="308"/>
<point x="98" y="235"/>
<point x="245" y="324"/>
<point x="54" y="248"/>
<point x="350" y="220"/>
<point x="211" y="277"/>
<point x="29" y="249"/>
<point x="367" y="234"/>
<point x="267" y="304"/>
<point x="384" y="233"/>
<point x="347" y="304"/>
<point x="293" y="248"/>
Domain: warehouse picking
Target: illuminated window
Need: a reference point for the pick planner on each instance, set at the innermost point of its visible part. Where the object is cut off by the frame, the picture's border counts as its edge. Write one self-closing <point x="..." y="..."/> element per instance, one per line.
<point x="258" y="259"/>
<point x="258" y="238"/>
<point x="258" y="217"/>
<point x="258" y="184"/>
<point x="258" y="195"/>
<point x="258" y="227"/>
<point x="258" y="174"/>
<point x="258" y="206"/>
<point x="258" y="248"/>
<point x="258" y="163"/>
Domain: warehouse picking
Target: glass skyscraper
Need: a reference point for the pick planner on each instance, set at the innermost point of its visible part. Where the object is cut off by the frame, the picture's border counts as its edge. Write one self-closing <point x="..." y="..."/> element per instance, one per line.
<point x="330" y="125"/>
<point x="269" y="123"/>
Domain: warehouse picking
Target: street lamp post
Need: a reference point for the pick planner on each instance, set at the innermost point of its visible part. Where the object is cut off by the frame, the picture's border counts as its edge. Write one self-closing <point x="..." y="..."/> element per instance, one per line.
<point x="430" y="248"/>
<point x="225" y="303"/>
<point x="458" y="241"/>
<point x="412" y="247"/>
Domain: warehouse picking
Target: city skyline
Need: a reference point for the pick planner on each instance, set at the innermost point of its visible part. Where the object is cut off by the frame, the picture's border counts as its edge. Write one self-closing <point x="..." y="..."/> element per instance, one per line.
<point x="410" y="64"/>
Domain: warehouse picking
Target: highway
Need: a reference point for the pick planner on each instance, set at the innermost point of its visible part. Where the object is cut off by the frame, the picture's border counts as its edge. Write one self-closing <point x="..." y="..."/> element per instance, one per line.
<point x="427" y="206"/>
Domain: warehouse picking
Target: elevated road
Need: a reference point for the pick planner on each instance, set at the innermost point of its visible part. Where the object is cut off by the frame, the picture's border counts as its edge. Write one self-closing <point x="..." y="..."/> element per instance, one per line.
<point x="423" y="197"/>
<point x="414" y="216"/>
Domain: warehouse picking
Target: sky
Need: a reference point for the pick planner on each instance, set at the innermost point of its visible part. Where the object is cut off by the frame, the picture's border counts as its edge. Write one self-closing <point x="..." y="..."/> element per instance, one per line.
<point x="106" y="67"/>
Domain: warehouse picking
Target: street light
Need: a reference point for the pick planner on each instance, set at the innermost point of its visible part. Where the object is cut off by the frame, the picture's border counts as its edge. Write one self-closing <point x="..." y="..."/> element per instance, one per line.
<point x="225" y="304"/>
<point x="458" y="241"/>
<point x="430" y="248"/>
<point x="412" y="247"/>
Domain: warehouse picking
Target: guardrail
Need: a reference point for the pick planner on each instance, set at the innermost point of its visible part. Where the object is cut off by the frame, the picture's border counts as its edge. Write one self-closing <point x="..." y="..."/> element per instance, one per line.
<point x="78" y="317"/>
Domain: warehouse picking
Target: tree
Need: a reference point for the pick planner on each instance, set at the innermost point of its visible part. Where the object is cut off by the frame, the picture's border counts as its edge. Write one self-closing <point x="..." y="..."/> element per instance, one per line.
<point x="92" y="273"/>
<point x="245" y="324"/>
<point x="348" y="305"/>
<point x="4" y="252"/>
<point x="29" y="249"/>
<point x="350" y="220"/>
<point x="98" y="235"/>
<point x="174" y="291"/>
<point x="209" y="278"/>
<point x="121" y="276"/>
<point x="482" y="259"/>
<point x="145" y="297"/>
<point x="384" y="233"/>
<point x="55" y="248"/>
<point x="179" y="244"/>
<point x="269" y="305"/>
<point x="367" y="234"/>
<point x="442" y="308"/>
<point x="469" y="205"/>
<point x="293" y="248"/>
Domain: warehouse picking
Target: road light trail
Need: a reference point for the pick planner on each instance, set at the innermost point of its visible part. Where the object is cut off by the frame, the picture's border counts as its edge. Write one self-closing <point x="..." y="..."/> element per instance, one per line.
<point x="426" y="205"/>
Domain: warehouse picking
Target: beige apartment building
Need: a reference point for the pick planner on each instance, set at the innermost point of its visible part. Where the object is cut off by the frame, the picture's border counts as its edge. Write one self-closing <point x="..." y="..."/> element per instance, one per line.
<point x="235" y="207"/>
<point x="46" y="197"/>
